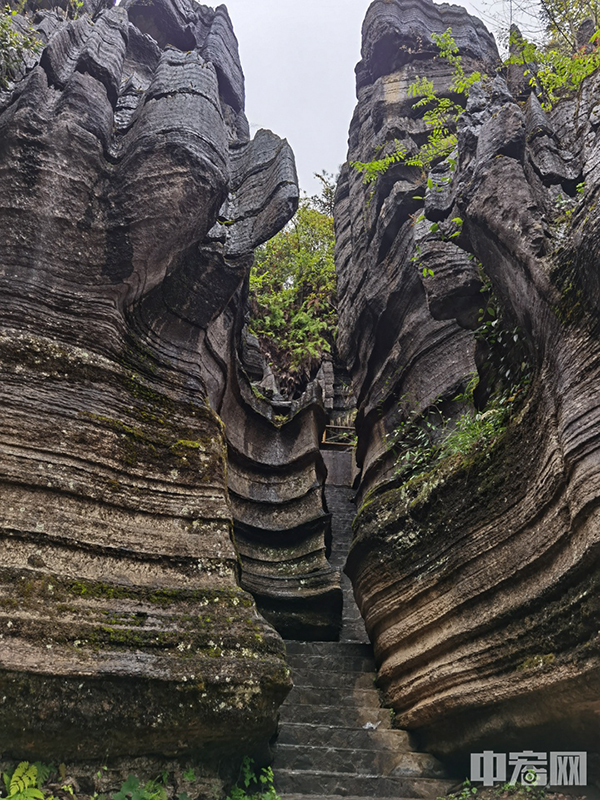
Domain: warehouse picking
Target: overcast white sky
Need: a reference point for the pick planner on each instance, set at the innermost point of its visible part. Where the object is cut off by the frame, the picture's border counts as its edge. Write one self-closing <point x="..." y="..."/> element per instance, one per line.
<point x="298" y="58"/>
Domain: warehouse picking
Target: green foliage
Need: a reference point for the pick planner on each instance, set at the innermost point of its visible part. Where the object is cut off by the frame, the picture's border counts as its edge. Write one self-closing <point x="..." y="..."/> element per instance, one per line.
<point x="253" y="784"/>
<point x="23" y="784"/>
<point x="373" y="169"/>
<point x="562" y="19"/>
<point x="74" y="8"/>
<point x="442" y="112"/>
<point x="516" y="790"/>
<point x="292" y="296"/>
<point x="441" y="115"/>
<point x="552" y="72"/>
<point x="466" y="792"/>
<point x="325" y="201"/>
<point x="428" y="441"/>
<point x="424" y="443"/>
<point x="132" y="789"/>
<point x="446" y="231"/>
<point x="14" y="46"/>
<point x="506" y="367"/>
<point x="26" y="781"/>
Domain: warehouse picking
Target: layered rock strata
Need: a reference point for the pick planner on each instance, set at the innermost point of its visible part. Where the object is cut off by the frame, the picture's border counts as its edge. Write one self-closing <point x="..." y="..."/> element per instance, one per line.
<point x="276" y="476"/>
<point x="478" y="577"/>
<point x="132" y="199"/>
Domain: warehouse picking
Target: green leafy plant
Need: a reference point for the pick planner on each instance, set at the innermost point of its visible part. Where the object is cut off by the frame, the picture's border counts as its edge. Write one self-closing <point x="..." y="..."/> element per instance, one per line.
<point x="553" y="72"/>
<point x="132" y="789"/>
<point x="254" y="784"/>
<point x="423" y="443"/>
<point x="562" y="20"/>
<point x="26" y="781"/>
<point x="442" y="112"/>
<point x="293" y="297"/>
<point x="74" y="8"/>
<point x="446" y="231"/>
<point x="373" y="169"/>
<point x="14" y="45"/>
<point x="468" y="792"/>
<point x="22" y="785"/>
<point x="441" y="115"/>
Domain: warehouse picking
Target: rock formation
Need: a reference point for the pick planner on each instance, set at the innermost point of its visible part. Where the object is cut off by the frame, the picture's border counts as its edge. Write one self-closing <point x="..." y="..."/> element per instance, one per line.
<point x="155" y="487"/>
<point x="132" y="198"/>
<point x="478" y="577"/>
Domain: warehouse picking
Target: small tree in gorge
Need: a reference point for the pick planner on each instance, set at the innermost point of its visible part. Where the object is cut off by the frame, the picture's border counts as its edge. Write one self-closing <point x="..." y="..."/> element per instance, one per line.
<point x="292" y="296"/>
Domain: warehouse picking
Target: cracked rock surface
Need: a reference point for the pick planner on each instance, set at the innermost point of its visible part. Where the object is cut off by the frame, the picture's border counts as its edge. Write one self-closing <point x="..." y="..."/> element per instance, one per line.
<point x="132" y="200"/>
<point x="479" y="582"/>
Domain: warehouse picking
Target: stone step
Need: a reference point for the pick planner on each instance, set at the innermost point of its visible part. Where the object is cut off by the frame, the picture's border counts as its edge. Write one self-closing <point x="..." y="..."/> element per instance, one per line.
<point x="345" y="697"/>
<point x="350" y="608"/>
<point x="355" y="624"/>
<point x="333" y="680"/>
<point x="315" y="782"/>
<point x="355" y="619"/>
<point x="297" y="661"/>
<point x="354" y="633"/>
<point x="345" y="717"/>
<point x="352" y="613"/>
<point x="330" y="649"/>
<point x="382" y="761"/>
<point x="305" y="733"/>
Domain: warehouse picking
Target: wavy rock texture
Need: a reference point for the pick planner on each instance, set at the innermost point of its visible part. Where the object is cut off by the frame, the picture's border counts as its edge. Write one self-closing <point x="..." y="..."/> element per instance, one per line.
<point x="276" y="476"/>
<point x="282" y="528"/>
<point x="478" y="584"/>
<point x="125" y="631"/>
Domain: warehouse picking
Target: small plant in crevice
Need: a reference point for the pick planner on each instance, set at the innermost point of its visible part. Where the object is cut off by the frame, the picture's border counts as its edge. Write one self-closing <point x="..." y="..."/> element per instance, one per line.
<point x="502" y="355"/>
<point x="466" y="792"/>
<point x="429" y="440"/>
<point x="445" y="231"/>
<point x="457" y="430"/>
<point x="14" y="45"/>
<point x="441" y="116"/>
<point x="133" y="789"/>
<point x="74" y="8"/>
<point x="253" y="783"/>
<point x="565" y="208"/>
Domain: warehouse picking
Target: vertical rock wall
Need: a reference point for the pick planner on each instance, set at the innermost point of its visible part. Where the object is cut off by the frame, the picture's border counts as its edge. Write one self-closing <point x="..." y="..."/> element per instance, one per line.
<point x="132" y="197"/>
<point x="478" y="581"/>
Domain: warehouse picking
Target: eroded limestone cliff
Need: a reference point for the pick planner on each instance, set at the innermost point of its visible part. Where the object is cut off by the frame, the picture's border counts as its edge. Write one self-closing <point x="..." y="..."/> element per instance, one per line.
<point x="139" y="533"/>
<point x="477" y="577"/>
<point x="132" y="198"/>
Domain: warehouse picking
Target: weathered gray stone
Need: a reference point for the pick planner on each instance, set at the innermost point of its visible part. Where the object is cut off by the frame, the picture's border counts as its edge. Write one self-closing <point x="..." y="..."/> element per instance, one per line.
<point x="478" y="582"/>
<point x="125" y="630"/>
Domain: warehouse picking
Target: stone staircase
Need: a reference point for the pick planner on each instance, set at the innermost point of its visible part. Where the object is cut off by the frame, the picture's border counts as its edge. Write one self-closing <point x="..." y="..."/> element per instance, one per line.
<point x="335" y="740"/>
